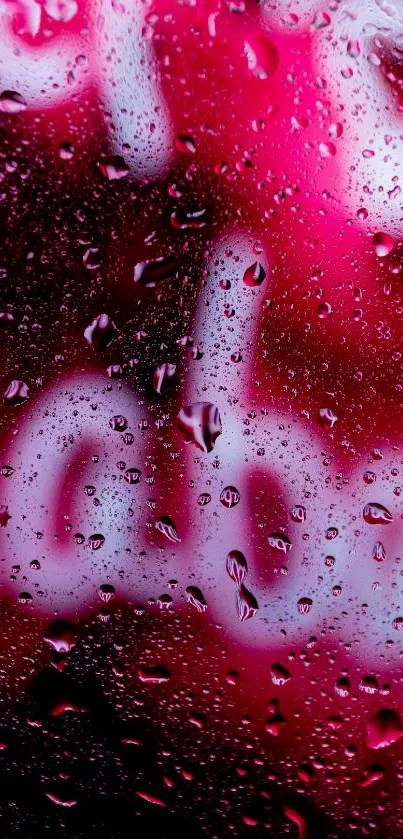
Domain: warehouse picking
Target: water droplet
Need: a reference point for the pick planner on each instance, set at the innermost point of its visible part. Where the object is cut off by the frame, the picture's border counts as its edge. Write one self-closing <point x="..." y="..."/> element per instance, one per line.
<point x="254" y="275"/>
<point x="189" y="218"/>
<point x="304" y="605"/>
<point x="61" y="10"/>
<point x="321" y="20"/>
<point x="106" y="592"/>
<point x="195" y="597"/>
<point x="279" y="542"/>
<point x="12" y="102"/>
<point x="16" y="393"/>
<point x="204" y="499"/>
<point x="246" y="603"/>
<point x="100" y="333"/>
<point x="383" y="729"/>
<point x="162" y="376"/>
<point x="166" y="526"/>
<point x="113" y="168"/>
<point x="298" y="513"/>
<point x="324" y="310"/>
<point x="185" y="144"/>
<point x="7" y="471"/>
<point x="261" y="54"/>
<point x="383" y="244"/>
<point x="66" y="151"/>
<point x="369" y="477"/>
<point x="92" y="259"/>
<point x="96" y="541"/>
<point x="35" y="565"/>
<point x="230" y="497"/>
<point x="60" y="635"/>
<point x="353" y="48"/>
<point x="201" y="424"/>
<point x="25" y="597"/>
<point x="327" y="418"/>
<point x="378" y="552"/>
<point x="237" y="567"/>
<point x="335" y="130"/>
<point x="164" y="602"/>
<point x="132" y="476"/>
<point x="118" y="423"/>
<point x="327" y="149"/>
<point x="376" y="514"/>
<point x="155" y="674"/>
<point x="155" y="271"/>
<point x="279" y="674"/>
<point x="398" y="624"/>
<point x="372" y="774"/>
<point x="172" y="584"/>
<point x="342" y="687"/>
<point x="369" y="684"/>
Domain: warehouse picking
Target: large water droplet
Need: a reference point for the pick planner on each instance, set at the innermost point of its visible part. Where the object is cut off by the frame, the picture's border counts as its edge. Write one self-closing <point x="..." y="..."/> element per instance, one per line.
<point x="279" y="542"/>
<point x="237" y="567"/>
<point x="60" y="635"/>
<point x="155" y="271"/>
<point x="195" y="597"/>
<point x="100" y="333"/>
<point x="374" y="513"/>
<point x="383" y="244"/>
<point x="12" y="102"/>
<point x="155" y="674"/>
<point x="201" y="424"/>
<point x="384" y="729"/>
<point x="113" y="168"/>
<point x="162" y="376"/>
<point x="246" y="603"/>
<point x="254" y="275"/>
<point x="230" y="497"/>
<point x="261" y="54"/>
<point x="16" y="393"/>
<point x="166" y="526"/>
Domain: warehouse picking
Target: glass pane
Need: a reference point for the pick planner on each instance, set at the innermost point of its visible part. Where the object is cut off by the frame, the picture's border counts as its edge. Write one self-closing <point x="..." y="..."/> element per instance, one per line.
<point x="201" y="466"/>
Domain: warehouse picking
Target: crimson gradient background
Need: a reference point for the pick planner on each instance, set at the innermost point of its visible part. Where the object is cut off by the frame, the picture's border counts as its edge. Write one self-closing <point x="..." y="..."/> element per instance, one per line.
<point x="147" y="688"/>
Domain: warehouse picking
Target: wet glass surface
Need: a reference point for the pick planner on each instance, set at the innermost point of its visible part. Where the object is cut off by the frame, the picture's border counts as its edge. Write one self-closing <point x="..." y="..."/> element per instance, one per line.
<point x="201" y="452"/>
